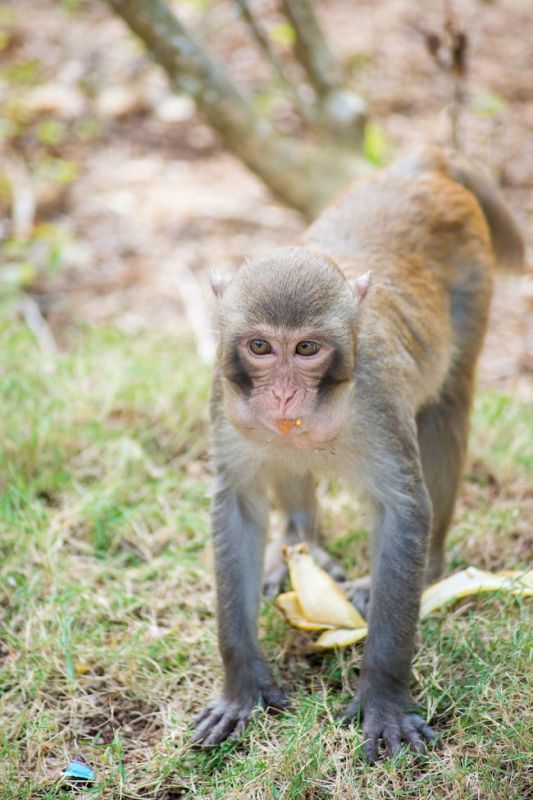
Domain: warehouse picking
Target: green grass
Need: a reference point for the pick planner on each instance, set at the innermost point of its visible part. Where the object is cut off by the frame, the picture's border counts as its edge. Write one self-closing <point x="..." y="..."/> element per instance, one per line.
<point x="107" y="631"/>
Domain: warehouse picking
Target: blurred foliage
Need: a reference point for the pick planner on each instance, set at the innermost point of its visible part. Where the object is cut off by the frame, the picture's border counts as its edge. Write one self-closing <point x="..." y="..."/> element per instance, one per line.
<point x="50" y="132"/>
<point x="359" y="60"/>
<point x="26" y="261"/>
<point x="40" y="138"/>
<point x="489" y="104"/>
<point x="377" y="147"/>
<point x="283" y="34"/>
<point x="200" y="5"/>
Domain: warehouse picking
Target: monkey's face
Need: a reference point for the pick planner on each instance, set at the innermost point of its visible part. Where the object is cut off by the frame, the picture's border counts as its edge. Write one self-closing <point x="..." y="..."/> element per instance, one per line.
<point x="287" y="349"/>
<point x="285" y="385"/>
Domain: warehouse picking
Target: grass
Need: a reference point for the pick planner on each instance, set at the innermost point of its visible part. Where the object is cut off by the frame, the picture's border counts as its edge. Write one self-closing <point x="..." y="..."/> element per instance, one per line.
<point x="107" y="634"/>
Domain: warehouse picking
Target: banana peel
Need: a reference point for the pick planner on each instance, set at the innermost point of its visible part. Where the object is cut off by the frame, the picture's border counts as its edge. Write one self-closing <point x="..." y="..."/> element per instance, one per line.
<point x="321" y="599"/>
<point x="341" y="637"/>
<point x="317" y="603"/>
<point x="474" y="581"/>
<point x="289" y="604"/>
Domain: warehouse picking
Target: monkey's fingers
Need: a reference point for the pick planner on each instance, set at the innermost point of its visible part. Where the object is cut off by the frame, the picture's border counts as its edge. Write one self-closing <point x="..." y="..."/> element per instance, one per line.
<point x="229" y="724"/>
<point x="275" y="576"/>
<point x="219" y="720"/>
<point x="228" y="718"/>
<point x="240" y="727"/>
<point x="272" y="699"/>
<point x="415" y="741"/>
<point x="205" y="721"/>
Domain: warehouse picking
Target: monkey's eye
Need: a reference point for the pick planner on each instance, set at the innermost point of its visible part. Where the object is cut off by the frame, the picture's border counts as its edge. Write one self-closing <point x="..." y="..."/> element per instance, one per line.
<point x="307" y="348"/>
<point x="260" y="347"/>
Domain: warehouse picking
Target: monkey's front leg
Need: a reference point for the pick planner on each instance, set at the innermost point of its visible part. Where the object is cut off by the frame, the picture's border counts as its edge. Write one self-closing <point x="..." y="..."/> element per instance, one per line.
<point x="383" y="697"/>
<point x="239" y="532"/>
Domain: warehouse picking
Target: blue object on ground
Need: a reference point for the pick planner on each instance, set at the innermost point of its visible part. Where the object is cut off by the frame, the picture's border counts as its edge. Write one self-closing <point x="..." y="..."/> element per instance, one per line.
<point x="79" y="771"/>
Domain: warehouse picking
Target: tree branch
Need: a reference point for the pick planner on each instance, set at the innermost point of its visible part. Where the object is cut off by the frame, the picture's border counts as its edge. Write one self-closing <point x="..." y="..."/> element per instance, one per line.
<point x="264" y="45"/>
<point x="344" y="113"/>
<point x="311" y="47"/>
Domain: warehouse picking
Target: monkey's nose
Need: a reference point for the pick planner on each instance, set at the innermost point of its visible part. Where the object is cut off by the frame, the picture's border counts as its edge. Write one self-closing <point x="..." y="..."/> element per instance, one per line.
<point x="283" y="397"/>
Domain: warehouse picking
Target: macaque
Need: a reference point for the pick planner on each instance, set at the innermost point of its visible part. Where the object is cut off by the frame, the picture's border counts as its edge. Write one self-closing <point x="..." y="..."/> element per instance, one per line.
<point x="353" y="355"/>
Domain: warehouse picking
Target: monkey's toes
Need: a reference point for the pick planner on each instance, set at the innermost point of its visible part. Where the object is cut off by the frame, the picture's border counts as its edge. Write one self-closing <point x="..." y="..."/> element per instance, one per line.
<point x="328" y="563"/>
<point x="275" y="578"/>
<point x="393" y="726"/>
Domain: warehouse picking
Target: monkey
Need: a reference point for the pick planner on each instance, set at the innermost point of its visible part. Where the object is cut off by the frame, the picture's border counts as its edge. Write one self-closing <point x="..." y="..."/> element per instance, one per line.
<point x="352" y="355"/>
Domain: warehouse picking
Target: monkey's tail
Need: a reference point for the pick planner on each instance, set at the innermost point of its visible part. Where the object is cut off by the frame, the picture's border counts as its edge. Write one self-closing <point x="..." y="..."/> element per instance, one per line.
<point x="505" y="235"/>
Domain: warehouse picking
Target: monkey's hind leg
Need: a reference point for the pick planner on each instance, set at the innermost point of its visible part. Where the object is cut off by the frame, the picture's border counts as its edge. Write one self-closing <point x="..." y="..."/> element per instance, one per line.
<point x="358" y="593"/>
<point x="296" y="498"/>
<point x="442" y="436"/>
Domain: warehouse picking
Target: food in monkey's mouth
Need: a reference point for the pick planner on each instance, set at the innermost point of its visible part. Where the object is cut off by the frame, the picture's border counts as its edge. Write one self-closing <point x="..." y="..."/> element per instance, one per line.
<point x="318" y="603"/>
<point x="285" y="426"/>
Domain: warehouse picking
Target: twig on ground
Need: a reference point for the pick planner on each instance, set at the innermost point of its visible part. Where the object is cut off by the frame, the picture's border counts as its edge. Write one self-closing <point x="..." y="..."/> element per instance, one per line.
<point x="22" y="197"/>
<point x="38" y="325"/>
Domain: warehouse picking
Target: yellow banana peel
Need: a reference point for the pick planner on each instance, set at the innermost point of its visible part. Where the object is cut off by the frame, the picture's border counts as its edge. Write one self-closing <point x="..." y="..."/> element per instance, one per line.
<point x="321" y="599"/>
<point x="290" y="605"/>
<point x="473" y="581"/>
<point x="341" y="637"/>
<point x="317" y="603"/>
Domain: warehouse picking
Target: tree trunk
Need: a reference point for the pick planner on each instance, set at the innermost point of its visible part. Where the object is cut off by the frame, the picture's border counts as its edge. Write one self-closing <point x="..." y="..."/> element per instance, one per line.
<point x="302" y="175"/>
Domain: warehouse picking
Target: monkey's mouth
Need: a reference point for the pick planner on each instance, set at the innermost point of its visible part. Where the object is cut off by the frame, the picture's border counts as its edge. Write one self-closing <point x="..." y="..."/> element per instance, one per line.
<point x="287" y="426"/>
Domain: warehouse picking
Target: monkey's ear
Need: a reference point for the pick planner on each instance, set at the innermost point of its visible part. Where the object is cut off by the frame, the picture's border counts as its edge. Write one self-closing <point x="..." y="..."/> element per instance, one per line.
<point x="218" y="283"/>
<point x="361" y="286"/>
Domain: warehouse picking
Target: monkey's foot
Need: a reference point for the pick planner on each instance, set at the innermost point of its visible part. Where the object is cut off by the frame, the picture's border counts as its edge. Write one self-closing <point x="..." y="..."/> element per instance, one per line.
<point x="277" y="573"/>
<point x="225" y="718"/>
<point x="391" y="722"/>
<point x="327" y="562"/>
<point x="275" y="578"/>
<point x="358" y="593"/>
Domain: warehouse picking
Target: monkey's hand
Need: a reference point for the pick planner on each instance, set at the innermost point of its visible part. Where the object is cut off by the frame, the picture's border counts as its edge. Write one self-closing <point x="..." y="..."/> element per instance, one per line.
<point x="224" y="717"/>
<point x="391" y="719"/>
